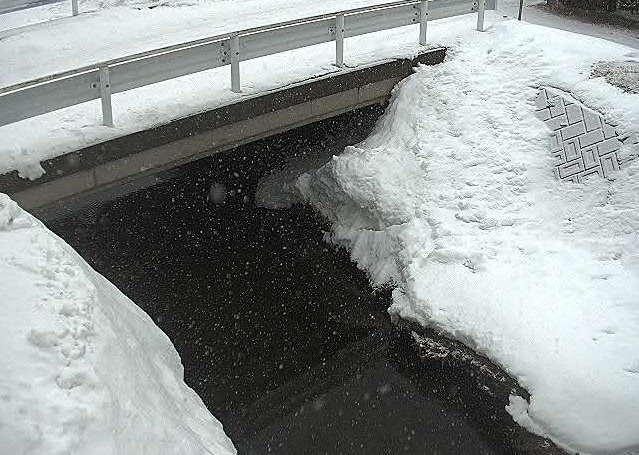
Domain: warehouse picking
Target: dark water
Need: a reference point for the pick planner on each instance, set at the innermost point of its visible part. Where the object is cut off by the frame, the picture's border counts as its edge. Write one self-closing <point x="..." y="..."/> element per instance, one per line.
<point x="279" y="333"/>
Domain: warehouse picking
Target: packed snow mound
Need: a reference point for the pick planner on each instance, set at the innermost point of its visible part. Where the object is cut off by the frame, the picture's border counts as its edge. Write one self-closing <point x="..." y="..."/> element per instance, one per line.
<point x="84" y="370"/>
<point x="453" y="200"/>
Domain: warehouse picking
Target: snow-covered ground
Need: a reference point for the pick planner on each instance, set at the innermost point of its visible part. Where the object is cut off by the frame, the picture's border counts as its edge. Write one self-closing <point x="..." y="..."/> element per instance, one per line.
<point x="536" y="15"/>
<point x="453" y="200"/>
<point x="83" y="369"/>
<point x="67" y="43"/>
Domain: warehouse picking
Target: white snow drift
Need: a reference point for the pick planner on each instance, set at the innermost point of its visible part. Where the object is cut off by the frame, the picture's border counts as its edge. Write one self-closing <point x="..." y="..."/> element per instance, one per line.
<point x="453" y="200"/>
<point x="83" y="369"/>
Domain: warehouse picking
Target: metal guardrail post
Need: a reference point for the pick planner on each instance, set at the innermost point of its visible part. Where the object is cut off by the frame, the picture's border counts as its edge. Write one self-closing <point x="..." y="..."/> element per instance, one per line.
<point x="235" y="62"/>
<point x="423" y="20"/>
<point x="339" y="40"/>
<point x="105" y="96"/>
<point x="74" y="7"/>
<point x="521" y="9"/>
<point x="480" y="15"/>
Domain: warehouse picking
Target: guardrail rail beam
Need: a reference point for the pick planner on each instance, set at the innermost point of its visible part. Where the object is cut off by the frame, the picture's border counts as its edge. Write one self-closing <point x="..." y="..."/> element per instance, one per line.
<point x="69" y="88"/>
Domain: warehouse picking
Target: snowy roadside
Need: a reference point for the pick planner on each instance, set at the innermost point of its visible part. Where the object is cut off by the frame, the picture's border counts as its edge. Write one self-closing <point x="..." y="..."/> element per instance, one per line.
<point x="24" y="144"/>
<point x="534" y="14"/>
<point x="124" y="29"/>
<point x="453" y="200"/>
<point x="85" y="370"/>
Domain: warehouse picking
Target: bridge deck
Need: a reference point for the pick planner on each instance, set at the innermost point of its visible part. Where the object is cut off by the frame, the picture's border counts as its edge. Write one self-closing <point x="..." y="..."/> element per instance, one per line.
<point x="147" y="152"/>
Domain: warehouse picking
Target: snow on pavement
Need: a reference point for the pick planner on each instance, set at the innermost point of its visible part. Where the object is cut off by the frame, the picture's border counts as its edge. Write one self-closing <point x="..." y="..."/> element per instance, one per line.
<point x="73" y="42"/>
<point x="535" y="14"/>
<point x="84" y="370"/>
<point x="453" y="200"/>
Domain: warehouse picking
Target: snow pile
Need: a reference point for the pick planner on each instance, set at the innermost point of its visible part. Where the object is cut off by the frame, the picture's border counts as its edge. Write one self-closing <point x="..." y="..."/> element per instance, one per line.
<point x="453" y="200"/>
<point x="84" y="370"/>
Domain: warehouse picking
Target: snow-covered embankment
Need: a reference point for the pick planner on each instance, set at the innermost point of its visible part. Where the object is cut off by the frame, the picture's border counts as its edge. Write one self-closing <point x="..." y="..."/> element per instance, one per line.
<point x="84" y="370"/>
<point x="453" y="200"/>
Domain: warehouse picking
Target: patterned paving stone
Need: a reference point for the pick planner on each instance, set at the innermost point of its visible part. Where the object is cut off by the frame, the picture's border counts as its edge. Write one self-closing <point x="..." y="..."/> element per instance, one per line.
<point x="582" y="143"/>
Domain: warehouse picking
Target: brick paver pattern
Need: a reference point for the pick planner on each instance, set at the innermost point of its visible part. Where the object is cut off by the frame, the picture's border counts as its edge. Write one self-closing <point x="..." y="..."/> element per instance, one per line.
<point x="582" y="143"/>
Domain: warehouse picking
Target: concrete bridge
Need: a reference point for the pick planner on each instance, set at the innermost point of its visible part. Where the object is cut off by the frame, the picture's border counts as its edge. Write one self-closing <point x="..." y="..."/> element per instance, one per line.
<point x="143" y="154"/>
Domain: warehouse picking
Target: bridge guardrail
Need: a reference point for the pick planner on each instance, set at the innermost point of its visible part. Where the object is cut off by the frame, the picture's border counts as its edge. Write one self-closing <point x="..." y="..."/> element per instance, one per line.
<point x="100" y="81"/>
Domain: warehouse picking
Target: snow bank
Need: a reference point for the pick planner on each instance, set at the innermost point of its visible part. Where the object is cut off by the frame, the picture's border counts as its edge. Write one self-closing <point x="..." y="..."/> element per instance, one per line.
<point x="84" y="370"/>
<point x="453" y="200"/>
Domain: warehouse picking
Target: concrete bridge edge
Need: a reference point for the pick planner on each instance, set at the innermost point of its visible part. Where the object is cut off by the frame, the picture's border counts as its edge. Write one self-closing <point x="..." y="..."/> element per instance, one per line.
<point x="141" y="155"/>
